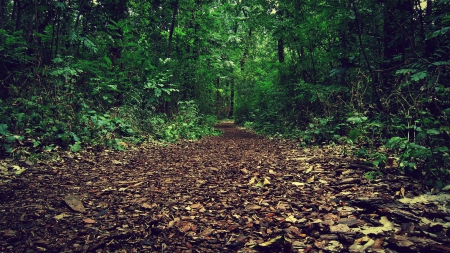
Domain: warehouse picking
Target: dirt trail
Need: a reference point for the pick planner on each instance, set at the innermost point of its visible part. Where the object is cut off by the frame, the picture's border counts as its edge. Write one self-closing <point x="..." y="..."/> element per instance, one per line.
<point x="235" y="193"/>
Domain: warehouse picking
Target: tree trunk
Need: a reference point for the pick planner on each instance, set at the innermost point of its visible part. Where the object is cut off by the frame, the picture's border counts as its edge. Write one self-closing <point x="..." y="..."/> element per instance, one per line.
<point x="280" y="50"/>
<point x="375" y="95"/>
<point x="172" y="27"/>
<point x="230" y="113"/>
<point x="18" y="14"/>
<point x="2" y="12"/>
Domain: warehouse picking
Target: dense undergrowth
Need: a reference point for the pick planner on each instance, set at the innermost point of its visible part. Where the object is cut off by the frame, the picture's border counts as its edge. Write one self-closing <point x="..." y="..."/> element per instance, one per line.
<point x="39" y="125"/>
<point x="415" y="138"/>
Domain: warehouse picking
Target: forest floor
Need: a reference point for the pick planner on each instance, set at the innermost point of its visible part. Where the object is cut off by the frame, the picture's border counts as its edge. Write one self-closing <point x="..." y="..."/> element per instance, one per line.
<point x="239" y="192"/>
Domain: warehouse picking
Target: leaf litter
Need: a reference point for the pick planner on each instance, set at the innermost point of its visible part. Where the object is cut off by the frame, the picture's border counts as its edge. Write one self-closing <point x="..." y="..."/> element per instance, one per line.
<point x="236" y="193"/>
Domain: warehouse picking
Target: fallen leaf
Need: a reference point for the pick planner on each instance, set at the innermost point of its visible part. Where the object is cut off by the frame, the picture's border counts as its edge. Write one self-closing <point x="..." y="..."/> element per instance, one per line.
<point x="298" y="183"/>
<point x="196" y="206"/>
<point x="260" y="184"/>
<point x="89" y="221"/>
<point x="75" y="203"/>
<point x="277" y="240"/>
<point x="310" y="180"/>
<point x="173" y="222"/>
<point x="61" y="216"/>
<point x="266" y="181"/>
<point x="186" y="227"/>
<point x="9" y="233"/>
<point x="387" y="226"/>
<point x="339" y="228"/>
<point x="252" y="180"/>
<point x="147" y="206"/>
<point x="253" y="207"/>
<point x="291" y="218"/>
<point x="115" y="162"/>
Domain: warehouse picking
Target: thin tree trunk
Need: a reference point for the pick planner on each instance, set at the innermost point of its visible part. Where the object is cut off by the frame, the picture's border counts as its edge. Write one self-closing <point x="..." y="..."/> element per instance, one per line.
<point x="280" y="50"/>
<point x="19" y="14"/>
<point x="313" y="65"/>
<point x="172" y="27"/>
<point x="2" y="12"/>
<point x="230" y="113"/>
<point x="375" y="96"/>
<point x="246" y="50"/>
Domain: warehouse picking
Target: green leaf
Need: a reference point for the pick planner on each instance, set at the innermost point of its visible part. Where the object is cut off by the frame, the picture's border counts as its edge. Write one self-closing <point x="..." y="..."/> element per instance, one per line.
<point x="433" y="132"/>
<point x="353" y="135"/>
<point x="356" y="119"/>
<point x="14" y="137"/>
<point x="75" y="147"/>
<point x="446" y="111"/>
<point x="158" y="92"/>
<point x="394" y="142"/>
<point x="107" y="60"/>
<point x="4" y="129"/>
<point x="419" y="76"/>
<point x="440" y="149"/>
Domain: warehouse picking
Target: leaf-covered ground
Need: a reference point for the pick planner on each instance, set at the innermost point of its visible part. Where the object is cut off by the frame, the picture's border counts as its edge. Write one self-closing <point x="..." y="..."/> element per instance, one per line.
<point x="236" y="193"/>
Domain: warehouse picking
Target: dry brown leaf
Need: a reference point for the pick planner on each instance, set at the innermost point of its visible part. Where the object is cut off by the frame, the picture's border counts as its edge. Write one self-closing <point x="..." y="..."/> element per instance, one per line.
<point x="253" y="207"/>
<point x="74" y="203"/>
<point x="186" y="226"/>
<point x="89" y="221"/>
<point x="196" y="206"/>
<point x="147" y="206"/>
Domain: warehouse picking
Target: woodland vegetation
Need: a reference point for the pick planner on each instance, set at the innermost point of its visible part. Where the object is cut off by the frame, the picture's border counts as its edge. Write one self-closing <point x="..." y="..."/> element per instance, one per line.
<point x="370" y="75"/>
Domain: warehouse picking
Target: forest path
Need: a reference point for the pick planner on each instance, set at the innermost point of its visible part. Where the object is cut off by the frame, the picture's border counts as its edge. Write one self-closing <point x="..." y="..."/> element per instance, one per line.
<point x="239" y="192"/>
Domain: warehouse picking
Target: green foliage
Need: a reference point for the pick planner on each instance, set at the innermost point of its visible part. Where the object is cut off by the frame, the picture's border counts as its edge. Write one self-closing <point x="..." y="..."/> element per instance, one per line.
<point x="355" y="73"/>
<point x="428" y="163"/>
<point x="374" y="174"/>
<point x="187" y="124"/>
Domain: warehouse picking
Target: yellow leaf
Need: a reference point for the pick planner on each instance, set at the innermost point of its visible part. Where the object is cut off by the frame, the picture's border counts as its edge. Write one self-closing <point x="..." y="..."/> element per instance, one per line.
<point x="310" y="180"/>
<point x="272" y="172"/>
<point x="298" y="183"/>
<point x="291" y="218"/>
<point x="402" y="191"/>
<point x="266" y="181"/>
<point x="252" y="180"/>
<point x="277" y="239"/>
<point x="260" y="184"/>
<point x="61" y="216"/>
<point x="309" y="169"/>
